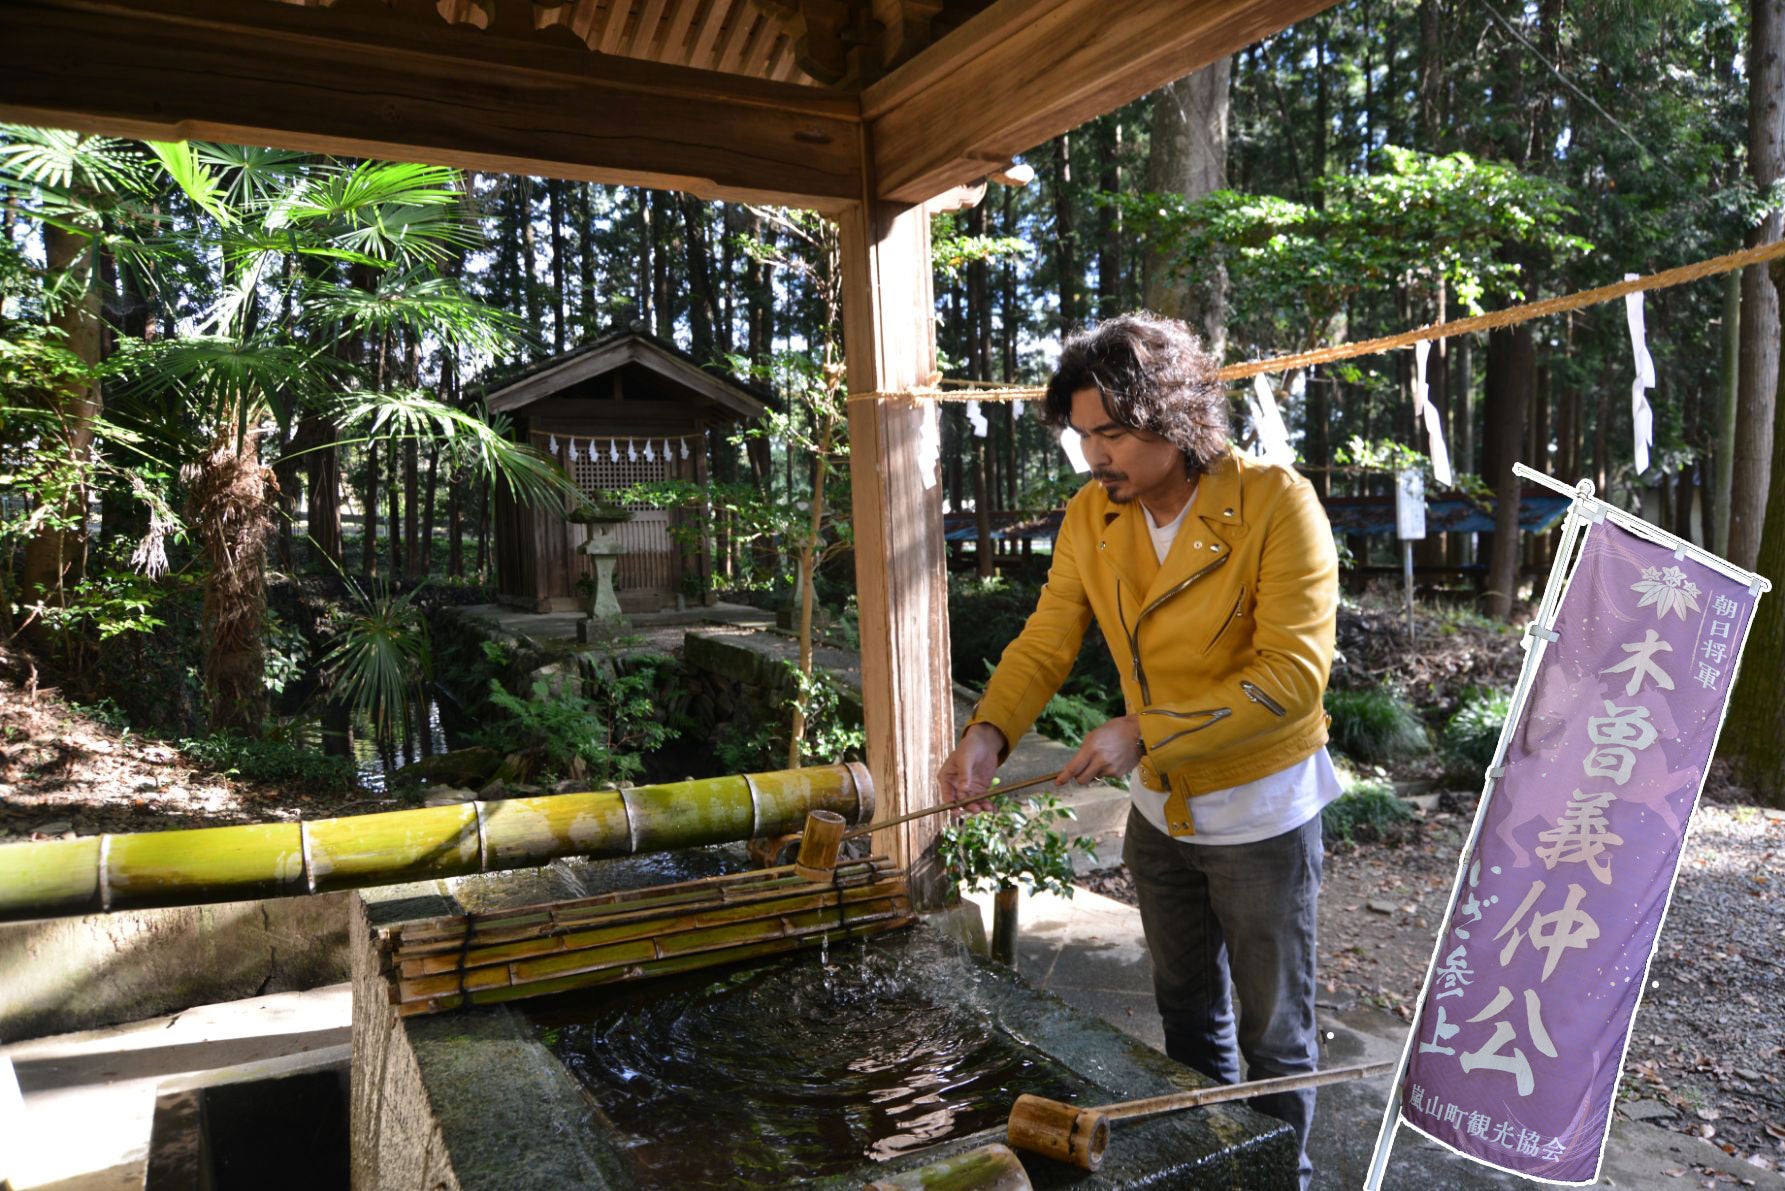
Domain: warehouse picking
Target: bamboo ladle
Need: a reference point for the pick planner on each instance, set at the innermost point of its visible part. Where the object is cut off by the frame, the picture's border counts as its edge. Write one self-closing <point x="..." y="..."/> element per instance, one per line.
<point x="1079" y="1136"/>
<point x="822" y="839"/>
<point x="1044" y="779"/>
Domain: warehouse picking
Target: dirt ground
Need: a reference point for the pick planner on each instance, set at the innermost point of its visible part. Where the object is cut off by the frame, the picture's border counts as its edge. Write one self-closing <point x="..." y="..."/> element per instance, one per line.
<point x="63" y="772"/>
<point x="1707" y="1050"/>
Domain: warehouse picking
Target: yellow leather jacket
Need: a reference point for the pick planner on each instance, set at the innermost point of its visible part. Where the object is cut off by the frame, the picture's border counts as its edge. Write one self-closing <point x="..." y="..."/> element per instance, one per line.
<point x="1224" y="649"/>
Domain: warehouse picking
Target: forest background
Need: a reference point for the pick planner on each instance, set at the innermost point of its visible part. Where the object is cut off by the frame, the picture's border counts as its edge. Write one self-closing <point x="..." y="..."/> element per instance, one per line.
<point x="197" y="342"/>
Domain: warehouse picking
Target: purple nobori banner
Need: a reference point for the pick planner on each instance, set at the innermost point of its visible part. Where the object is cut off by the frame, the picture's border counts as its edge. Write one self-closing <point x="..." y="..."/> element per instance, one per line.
<point x="1522" y="1026"/>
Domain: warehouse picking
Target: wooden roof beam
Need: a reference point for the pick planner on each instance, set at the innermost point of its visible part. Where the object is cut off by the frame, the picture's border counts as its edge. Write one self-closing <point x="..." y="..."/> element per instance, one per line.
<point x="1024" y="71"/>
<point x="361" y="83"/>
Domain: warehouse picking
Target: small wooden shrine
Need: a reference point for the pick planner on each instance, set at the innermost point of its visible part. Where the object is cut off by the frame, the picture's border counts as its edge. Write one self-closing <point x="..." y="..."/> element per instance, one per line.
<point x="626" y="409"/>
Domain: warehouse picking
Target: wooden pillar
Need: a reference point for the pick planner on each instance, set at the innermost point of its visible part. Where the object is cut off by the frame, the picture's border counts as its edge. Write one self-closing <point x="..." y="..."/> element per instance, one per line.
<point x="901" y="583"/>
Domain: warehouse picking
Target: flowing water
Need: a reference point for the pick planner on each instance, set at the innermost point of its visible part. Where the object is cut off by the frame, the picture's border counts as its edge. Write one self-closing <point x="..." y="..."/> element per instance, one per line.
<point x="795" y="1069"/>
<point x="429" y="734"/>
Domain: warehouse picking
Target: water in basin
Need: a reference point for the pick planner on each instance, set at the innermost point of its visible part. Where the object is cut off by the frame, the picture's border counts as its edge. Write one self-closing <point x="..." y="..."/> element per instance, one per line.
<point x="795" y="1069"/>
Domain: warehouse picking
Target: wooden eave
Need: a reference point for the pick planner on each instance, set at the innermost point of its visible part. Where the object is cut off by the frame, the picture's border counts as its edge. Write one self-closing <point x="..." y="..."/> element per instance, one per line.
<point x="602" y="358"/>
<point x="1024" y="71"/>
<point x="358" y="80"/>
<point x="718" y="98"/>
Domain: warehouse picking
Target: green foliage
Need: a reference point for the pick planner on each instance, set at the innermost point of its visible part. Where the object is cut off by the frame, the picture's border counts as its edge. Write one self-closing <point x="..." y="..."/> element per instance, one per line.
<point x="381" y="660"/>
<point x="485" y="444"/>
<point x="1375" y="725"/>
<point x="287" y="653"/>
<point x="984" y="618"/>
<point x="107" y="603"/>
<point x="1050" y="491"/>
<point x="1473" y="733"/>
<point x="600" y="736"/>
<point x="1014" y="845"/>
<point x="1443" y="220"/>
<point x="1367" y="812"/>
<point x="753" y="743"/>
<point x="747" y="747"/>
<point x="827" y="738"/>
<point x="1388" y="457"/>
<point x="107" y="712"/>
<point x="1069" y="719"/>
<point x="269" y="761"/>
<point x="952" y="248"/>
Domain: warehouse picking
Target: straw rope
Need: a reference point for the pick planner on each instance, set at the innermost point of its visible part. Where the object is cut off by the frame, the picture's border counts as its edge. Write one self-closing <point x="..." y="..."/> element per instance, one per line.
<point x="1493" y="320"/>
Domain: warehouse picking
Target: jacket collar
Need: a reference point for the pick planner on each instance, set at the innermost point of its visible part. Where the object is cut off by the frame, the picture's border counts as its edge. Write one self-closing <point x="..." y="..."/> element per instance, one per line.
<point x="1216" y="512"/>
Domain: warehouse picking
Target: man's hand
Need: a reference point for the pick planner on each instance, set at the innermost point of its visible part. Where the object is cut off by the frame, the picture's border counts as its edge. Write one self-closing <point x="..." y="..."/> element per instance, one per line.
<point x="969" y="769"/>
<point x="1113" y="748"/>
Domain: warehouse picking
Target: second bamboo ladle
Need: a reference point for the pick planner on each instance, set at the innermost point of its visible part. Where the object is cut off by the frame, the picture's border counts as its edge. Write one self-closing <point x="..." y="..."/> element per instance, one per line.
<point x="869" y="828"/>
<point x="1080" y="1136"/>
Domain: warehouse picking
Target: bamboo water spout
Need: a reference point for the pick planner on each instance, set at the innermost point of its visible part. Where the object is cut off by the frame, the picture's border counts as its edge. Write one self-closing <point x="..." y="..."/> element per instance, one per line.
<point x="94" y="874"/>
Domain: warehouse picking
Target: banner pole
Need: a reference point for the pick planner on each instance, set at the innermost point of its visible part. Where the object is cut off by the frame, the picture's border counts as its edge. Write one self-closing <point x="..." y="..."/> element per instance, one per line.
<point x="1644" y="529"/>
<point x="1535" y="643"/>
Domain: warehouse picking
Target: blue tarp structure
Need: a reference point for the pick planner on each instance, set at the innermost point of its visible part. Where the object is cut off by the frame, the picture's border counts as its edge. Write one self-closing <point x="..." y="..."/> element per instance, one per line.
<point x="1038" y="527"/>
<point x="1538" y="510"/>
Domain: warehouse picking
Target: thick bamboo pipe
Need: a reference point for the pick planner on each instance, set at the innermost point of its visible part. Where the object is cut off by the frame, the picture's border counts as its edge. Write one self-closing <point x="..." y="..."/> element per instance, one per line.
<point x="1079" y="1136"/>
<point x="94" y="874"/>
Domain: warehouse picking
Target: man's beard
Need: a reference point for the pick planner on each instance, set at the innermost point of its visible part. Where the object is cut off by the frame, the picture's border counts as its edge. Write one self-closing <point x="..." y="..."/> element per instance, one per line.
<point x="1103" y="476"/>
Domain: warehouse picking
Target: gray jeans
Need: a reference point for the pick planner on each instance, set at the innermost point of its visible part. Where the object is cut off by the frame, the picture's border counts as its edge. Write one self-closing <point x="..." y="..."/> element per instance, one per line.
<point x="1243" y="914"/>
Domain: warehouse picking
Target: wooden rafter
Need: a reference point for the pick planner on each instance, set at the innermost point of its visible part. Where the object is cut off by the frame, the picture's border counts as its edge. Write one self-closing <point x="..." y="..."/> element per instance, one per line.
<point x="782" y="63"/>
<point x="674" y="46"/>
<point x="654" y="30"/>
<point x="613" y="35"/>
<point x="706" y="34"/>
<point x="742" y="19"/>
<point x="358" y="81"/>
<point x="646" y="37"/>
<point x="755" y="58"/>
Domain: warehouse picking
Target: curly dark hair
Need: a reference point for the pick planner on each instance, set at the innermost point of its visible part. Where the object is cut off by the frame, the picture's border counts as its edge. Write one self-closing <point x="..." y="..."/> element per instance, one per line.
<point x="1154" y="375"/>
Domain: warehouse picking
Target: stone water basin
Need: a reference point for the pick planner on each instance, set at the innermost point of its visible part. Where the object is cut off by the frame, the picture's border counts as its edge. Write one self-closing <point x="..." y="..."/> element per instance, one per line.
<point x="807" y="1070"/>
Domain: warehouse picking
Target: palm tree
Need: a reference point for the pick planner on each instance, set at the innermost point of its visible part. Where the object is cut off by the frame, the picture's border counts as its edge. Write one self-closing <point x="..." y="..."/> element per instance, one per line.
<point x="77" y="187"/>
<point x="268" y="354"/>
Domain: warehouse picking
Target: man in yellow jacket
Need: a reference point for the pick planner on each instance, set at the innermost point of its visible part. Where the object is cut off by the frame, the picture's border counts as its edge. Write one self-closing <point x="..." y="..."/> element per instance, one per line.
<point x="1214" y="579"/>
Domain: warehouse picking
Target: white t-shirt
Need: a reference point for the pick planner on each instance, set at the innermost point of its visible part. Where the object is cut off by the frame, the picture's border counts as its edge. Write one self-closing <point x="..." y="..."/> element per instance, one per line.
<point x="1256" y="810"/>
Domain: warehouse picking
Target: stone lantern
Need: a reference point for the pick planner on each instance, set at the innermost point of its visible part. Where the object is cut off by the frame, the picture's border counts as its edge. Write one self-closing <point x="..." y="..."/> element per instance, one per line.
<point x="604" y="547"/>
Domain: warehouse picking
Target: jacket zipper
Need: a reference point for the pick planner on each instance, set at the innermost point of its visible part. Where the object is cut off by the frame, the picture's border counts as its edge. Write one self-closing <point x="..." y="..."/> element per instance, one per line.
<point x="1215" y="715"/>
<point x="1133" y="635"/>
<point x="1258" y="696"/>
<point x="1226" y="624"/>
